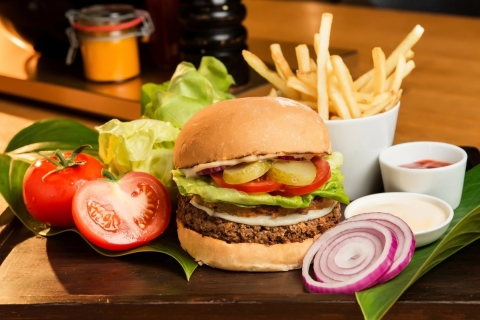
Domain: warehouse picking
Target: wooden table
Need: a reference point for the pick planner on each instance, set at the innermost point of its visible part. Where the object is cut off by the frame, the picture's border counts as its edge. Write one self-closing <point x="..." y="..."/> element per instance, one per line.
<point x="62" y="277"/>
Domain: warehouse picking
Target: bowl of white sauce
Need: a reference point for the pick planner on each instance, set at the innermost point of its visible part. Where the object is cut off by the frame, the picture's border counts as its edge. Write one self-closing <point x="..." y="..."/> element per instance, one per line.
<point x="427" y="216"/>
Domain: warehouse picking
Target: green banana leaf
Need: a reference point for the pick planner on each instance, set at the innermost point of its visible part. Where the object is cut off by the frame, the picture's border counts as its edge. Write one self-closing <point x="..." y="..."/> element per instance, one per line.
<point x="463" y="230"/>
<point x="63" y="134"/>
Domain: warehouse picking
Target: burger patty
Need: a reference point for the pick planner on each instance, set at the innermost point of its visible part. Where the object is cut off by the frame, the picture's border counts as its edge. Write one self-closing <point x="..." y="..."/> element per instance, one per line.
<point x="232" y="232"/>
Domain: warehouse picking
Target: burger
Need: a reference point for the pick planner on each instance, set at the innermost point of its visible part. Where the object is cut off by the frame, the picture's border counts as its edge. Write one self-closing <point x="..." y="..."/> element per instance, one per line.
<point x="258" y="183"/>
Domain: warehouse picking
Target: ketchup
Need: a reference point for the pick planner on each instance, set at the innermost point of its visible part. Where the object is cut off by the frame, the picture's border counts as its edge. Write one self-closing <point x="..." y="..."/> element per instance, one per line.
<point x="425" y="164"/>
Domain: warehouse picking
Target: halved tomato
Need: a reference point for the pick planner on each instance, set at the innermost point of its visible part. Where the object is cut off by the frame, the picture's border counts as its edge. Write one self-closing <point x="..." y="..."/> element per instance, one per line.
<point x="122" y="214"/>
<point x="323" y="175"/>
<point x="262" y="184"/>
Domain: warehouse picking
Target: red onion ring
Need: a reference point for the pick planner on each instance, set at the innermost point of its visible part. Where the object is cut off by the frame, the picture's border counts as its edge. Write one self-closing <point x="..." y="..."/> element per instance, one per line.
<point x="349" y="257"/>
<point x="211" y="170"/>
<point x="405" y="238"/>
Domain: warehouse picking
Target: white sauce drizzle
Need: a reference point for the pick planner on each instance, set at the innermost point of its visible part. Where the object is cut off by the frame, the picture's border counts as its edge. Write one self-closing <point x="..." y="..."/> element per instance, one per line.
<point x="268" y="221"/>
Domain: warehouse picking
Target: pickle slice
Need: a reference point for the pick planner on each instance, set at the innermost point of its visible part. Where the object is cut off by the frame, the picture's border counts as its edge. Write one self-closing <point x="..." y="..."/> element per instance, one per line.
<point x="293" y="173"/>
<point x="247" y="171"/>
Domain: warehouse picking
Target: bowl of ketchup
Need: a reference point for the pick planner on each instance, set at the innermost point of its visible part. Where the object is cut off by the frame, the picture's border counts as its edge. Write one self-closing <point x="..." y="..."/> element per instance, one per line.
<point x="427" y="167"/>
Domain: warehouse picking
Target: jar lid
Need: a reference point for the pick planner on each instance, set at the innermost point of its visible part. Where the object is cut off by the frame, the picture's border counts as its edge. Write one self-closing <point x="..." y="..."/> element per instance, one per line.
<point x="104" y="18"/>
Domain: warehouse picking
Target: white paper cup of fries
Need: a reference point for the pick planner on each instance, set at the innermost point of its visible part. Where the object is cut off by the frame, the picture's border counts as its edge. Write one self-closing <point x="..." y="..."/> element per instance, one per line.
<point x="361" y="141"/>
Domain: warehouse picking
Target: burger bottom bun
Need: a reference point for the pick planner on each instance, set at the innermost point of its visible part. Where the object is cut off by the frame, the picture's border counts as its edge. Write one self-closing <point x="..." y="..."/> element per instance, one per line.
<point x="242" y="256"/>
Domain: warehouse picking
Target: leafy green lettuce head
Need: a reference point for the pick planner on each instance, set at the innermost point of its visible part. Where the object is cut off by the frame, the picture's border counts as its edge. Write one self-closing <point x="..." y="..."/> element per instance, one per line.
<point x="144" y="145"/>
<point x="188" y="91"/>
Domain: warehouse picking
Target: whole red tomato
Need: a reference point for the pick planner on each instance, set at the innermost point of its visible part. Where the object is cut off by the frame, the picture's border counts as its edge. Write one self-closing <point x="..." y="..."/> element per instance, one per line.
<point x="50" y="183"/>
<point x="124" y="213"/>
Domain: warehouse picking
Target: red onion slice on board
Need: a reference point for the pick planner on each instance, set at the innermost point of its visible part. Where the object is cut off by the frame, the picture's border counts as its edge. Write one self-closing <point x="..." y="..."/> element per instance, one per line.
<point x="405" y="238"/>
<point x="349" y="257"/>
<point x="211" y="170"/>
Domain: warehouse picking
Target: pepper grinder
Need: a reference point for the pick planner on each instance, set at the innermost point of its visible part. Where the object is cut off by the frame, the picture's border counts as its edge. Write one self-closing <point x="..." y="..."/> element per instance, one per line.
<point x="214" y="28"/>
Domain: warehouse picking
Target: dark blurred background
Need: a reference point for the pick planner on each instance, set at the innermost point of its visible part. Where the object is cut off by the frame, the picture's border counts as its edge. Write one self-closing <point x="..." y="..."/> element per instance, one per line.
<point x="43" y="22"/>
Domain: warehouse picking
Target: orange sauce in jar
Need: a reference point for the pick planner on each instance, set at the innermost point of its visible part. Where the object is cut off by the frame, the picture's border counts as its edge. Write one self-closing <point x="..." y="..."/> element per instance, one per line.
<point x="107" y="37"/>
<point x="110" y="60"/>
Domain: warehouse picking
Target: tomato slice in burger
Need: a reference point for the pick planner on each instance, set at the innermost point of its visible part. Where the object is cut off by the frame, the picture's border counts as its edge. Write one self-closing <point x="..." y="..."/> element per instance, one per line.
<point x="323" y="175"/>
<point x="262" y="184"/>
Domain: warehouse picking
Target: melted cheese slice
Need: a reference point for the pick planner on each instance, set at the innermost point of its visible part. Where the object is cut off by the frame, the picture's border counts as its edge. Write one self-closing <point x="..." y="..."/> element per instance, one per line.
<point x="268" y="221"/>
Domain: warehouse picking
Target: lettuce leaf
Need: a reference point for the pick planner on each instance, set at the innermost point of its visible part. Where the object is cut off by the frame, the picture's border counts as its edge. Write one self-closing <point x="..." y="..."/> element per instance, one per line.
<point x="139" y="145"/>
<point x="188" y="91"/>
<point x="147" y="144"/>
<point x="205" y="188"/>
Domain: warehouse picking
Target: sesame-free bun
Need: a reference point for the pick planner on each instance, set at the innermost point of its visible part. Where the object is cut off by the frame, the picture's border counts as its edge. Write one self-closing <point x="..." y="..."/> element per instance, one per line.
<point x="242" y="256"/>
<point x="242" y="127"/>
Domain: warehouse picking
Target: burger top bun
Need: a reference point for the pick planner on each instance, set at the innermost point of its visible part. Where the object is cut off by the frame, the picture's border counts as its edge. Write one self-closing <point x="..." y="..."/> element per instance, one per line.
<point x="242" y="127"/>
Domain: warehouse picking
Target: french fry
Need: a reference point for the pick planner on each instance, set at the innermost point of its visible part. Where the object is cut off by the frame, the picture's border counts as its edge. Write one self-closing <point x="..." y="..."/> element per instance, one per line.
<point x="303" y="58"/>
<point x="279" y="71"/>
<point x="395" y="101"/>
<point x="295" y="83"/>
<point x="279" y="59"/>
<point x="338" y="102"/>
<point x="362" y="97"/>
<point x="380" y="74"/>
<point x="272" y="93"/>
<point x="409" y="55"/>
<point x="410" y="40"/>
<point x="311" y="104"/>
<point x="261" y="68"/>
<point x="335" y="118"/>
<point x="322" y="59"/>
<point x="367" y="88"/>
<point x="398" y="75"/>
<point x="306" y="97"/>
<point x="406" y="45"/>
<point x="344" y="84"/>
<point x="377" y="108"/>
<point x="409" y="66"/>
<point x="382" y="97"/>
<point x="361" y="82"/>
<point x="363" y="107"/>
<point x="309" y="78"/>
